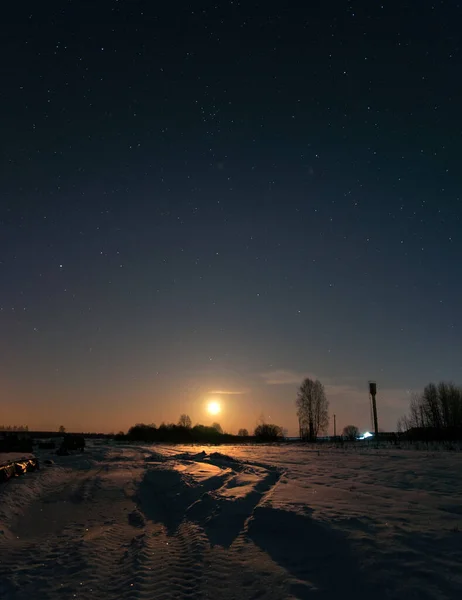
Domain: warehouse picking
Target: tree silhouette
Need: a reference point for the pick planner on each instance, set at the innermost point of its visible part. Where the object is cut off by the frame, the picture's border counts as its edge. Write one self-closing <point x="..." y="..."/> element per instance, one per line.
<point x="267" y="432"/>
<point x="185" y="421"/>
<point x="350" y="432"/>
<point x="202" y="434"/>
<point x="217" y="427"/>
<point x="312" y="409"/>
<point x="62" y="429"/>
<point x="435" y="413"/>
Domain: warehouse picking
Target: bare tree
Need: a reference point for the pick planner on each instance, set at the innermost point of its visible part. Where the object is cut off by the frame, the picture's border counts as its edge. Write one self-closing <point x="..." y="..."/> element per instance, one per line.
<point x="185" y="421"/>
<point x="438" y="408"/>
<point x="243" y="433"/>
<point x="312" y="409"/>
<point x="430" y="405"/>
<point x="218" y="427"/>
<point x="350" y="432"/>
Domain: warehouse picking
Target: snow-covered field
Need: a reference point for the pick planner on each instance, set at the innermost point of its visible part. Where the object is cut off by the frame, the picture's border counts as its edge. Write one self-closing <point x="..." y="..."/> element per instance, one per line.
<point x="246" y="522"/>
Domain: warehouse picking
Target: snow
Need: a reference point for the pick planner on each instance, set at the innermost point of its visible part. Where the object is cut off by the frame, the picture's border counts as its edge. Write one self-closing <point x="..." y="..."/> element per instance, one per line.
<point x="8" y="457"/>
<point x="271" y="522"/>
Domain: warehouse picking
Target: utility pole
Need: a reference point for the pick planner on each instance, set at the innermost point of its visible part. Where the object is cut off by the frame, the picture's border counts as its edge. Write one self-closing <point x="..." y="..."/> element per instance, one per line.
<point x="373" y="392"/>
<point x="335" y="427"/>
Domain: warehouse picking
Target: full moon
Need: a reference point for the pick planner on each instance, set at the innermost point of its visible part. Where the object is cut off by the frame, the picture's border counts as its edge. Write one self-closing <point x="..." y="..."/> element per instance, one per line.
<point x="213" y="408"/>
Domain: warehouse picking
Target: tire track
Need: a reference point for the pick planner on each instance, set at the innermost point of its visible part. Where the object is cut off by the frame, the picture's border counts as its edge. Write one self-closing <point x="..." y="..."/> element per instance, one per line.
<point x="48" y="556"/>
<point x="137" y="529"/>
<point x="31" y="567"/>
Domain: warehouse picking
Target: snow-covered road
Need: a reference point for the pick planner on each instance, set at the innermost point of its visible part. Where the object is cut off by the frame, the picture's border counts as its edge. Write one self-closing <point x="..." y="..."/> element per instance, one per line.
<point x="246" y="523"/>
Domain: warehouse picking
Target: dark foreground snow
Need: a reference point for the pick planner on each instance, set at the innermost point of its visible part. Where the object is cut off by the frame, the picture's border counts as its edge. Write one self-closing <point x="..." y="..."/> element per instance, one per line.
<point x="243" y="523"/>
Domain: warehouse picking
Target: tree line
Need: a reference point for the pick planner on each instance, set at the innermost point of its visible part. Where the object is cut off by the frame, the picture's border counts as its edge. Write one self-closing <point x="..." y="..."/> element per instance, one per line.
<point x="183" y="432"/>
<point x="435" y="414"/>
<point x="312" y="411"/>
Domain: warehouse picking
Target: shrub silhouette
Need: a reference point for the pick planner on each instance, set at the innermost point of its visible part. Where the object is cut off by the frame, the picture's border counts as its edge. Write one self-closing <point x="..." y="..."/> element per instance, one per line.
<point x="350" y="432"/>
<point x="267" y="432"/>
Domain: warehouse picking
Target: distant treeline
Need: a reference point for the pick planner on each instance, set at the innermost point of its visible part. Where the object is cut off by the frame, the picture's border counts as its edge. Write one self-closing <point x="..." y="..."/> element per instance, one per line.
<point x="22" y="440"/>
<point x="15" y="444"/>
<point x="200" y="434"/>
<point x="434" y="415"/>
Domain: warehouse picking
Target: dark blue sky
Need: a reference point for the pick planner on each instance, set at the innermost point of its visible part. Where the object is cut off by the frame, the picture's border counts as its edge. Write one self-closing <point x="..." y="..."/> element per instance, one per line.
<point x="200" y="198"/>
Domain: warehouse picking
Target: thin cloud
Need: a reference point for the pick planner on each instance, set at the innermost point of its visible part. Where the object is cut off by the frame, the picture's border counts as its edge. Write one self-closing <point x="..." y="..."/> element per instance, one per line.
<point x="283" y="377"/>
<point x="227" y="392"/>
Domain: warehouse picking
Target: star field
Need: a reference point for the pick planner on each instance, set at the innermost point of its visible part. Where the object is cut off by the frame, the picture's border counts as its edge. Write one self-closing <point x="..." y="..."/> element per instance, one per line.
<point x="227" y="196"/>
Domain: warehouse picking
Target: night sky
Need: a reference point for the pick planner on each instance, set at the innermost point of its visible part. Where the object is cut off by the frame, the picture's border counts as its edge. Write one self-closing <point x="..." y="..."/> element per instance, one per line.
<point x="206" y="200"/>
